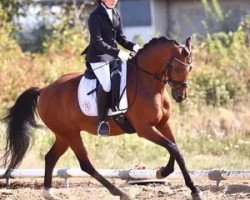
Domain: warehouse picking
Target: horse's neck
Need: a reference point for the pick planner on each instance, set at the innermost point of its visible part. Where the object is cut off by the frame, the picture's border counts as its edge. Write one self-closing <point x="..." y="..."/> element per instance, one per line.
<point x="140" y="83"/>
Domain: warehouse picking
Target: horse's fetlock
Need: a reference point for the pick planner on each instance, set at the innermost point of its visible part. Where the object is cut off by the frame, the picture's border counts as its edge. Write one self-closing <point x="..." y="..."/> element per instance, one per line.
<point x="169" y="170"/>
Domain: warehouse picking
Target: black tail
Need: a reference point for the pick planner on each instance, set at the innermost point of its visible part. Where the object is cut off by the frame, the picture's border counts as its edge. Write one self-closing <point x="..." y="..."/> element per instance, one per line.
<point x="19" y="120"/>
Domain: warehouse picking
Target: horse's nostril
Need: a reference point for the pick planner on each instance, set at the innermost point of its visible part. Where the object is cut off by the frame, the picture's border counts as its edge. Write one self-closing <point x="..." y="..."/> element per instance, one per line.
<point x="179" y="99"/>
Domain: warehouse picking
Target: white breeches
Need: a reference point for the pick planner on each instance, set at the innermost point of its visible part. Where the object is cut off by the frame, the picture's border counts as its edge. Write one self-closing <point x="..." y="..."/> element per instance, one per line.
<point x="102" y="72"/>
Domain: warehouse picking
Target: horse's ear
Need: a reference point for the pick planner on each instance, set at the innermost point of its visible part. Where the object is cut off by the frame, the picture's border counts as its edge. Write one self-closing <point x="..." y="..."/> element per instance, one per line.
<point x="188" y="43"/>
<point x="176" y="43"/>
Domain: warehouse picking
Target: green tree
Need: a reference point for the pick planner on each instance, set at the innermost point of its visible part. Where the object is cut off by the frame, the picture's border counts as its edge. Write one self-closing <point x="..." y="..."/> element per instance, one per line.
<point x="69" y="32"/>
<point x="14" y="8"/>
<point x="214" y="9"/>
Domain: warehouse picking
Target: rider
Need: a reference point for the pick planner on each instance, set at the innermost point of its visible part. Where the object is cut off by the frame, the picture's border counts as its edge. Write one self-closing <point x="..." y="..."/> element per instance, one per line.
<point x="105" y="29"/>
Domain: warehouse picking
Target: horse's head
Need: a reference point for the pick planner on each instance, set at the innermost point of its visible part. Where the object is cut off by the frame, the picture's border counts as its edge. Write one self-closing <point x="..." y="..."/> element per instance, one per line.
<point x="168" y="62"/>
<point x="178" y="69"/>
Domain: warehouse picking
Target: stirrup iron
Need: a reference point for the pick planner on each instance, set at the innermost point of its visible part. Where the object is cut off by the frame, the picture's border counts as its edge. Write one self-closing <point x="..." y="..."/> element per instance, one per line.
<point x="103" y="128"/>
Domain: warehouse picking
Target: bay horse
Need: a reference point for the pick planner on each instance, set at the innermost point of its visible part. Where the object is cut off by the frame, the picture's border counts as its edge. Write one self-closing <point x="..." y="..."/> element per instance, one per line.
<point x="159" y="62"/>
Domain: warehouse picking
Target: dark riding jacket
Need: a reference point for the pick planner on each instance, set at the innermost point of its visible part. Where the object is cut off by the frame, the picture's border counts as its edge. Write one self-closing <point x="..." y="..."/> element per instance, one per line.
<point x="104" y="35"/>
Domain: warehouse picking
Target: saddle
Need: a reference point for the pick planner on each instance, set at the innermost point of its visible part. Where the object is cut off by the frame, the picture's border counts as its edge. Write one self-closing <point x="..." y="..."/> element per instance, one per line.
<point x="114" y="96"/>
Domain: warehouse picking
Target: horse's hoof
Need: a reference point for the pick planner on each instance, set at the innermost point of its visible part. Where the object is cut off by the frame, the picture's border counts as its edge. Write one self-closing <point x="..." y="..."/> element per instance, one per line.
<point x="125" y="196"/>
<point x="198" y="195"/>
<point x="159" y="173"/>
<point x="48" y="194"/>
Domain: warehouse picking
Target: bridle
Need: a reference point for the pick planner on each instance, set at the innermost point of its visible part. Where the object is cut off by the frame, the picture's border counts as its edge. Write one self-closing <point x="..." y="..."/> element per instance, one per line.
<point x="168" y="71"/>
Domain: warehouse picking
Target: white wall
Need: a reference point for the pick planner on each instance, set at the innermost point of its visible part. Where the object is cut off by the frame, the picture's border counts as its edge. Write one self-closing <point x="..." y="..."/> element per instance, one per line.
<point x="145" y="32"/>
<point x="182" y="18"/>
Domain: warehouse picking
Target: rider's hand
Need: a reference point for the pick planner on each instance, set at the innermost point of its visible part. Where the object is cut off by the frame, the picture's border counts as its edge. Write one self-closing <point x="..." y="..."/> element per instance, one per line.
<point x="136" y="48"/>
<point x="123" y="55"/>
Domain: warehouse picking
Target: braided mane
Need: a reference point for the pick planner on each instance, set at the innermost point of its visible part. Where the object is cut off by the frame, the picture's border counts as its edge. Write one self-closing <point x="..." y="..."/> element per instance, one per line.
<point x="153" y="42"/>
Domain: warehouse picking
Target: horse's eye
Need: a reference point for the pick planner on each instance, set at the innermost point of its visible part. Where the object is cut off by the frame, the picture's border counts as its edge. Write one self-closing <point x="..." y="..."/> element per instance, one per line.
<point x="189" y="60"/>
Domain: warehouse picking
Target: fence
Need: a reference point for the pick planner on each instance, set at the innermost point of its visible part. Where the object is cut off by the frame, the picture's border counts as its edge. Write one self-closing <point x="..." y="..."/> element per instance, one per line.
<point x="131" y="175"/>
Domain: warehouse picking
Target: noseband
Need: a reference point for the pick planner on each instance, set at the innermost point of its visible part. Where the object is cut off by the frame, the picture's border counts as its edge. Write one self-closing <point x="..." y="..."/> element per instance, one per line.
<point x="168" y="70"/>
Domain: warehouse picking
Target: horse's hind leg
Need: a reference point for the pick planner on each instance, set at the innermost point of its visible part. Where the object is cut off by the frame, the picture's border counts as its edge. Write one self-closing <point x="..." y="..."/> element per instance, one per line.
<point x="78" y="148"/>
<point x="51" y="158"/>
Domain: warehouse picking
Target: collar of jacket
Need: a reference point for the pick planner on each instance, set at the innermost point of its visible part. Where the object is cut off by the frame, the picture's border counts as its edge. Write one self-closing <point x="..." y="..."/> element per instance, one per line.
<point x="104" y="5"/>
<point x="102" y="10"/>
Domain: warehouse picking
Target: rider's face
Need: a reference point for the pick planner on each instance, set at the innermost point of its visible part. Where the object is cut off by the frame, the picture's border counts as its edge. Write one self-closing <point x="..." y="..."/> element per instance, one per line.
<point x="110" y="3"/>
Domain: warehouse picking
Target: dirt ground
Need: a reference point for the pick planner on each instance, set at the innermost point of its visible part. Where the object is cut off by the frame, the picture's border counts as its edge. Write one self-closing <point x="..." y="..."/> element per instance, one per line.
<point x="89" y="189"/>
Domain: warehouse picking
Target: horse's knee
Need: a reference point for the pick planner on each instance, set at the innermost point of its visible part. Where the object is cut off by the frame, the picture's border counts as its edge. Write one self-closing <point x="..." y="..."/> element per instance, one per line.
<point x="174" y="150"/>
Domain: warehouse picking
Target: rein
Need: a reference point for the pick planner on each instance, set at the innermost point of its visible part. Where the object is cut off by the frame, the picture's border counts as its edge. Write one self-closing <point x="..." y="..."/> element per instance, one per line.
<point x="168" y="69"/>
<point x="169" y="81"/>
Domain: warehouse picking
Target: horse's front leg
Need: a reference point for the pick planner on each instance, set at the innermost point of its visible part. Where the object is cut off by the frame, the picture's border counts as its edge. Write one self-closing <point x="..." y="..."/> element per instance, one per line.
<point x="151" y="133"/>
<point x="165" y="129"/>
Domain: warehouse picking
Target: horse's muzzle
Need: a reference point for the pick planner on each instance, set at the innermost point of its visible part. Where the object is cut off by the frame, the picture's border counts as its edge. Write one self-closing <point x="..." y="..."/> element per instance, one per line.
<point x="179" y="97"/>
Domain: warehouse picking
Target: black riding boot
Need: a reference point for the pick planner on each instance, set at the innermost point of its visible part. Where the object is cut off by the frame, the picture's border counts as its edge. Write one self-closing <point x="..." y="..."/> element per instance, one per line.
<point x="102" y="126"/>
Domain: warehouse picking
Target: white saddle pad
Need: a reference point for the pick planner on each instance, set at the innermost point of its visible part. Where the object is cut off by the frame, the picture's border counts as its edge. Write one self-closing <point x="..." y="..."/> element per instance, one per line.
<point x="88" y="102"/>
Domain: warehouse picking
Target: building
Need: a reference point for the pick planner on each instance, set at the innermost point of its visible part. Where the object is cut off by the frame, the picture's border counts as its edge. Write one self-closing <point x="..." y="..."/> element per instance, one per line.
<point x="177" y="19"/>
<point x="181" y="18"/>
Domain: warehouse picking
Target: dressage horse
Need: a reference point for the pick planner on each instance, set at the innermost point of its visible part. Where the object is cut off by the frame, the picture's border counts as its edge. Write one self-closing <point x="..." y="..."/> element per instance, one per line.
<point x="159" y="62"/>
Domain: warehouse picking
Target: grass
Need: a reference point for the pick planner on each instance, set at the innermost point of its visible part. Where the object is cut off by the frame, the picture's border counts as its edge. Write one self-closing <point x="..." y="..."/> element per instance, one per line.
<point x="127" y="151"/>
<point x="219" y="138"/>
<point x="208" y="137"/>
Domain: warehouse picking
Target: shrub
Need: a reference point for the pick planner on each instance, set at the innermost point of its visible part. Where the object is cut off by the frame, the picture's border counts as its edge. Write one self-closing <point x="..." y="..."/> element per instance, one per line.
<point x="69" y="33"/>
<point x="223" y="63"/>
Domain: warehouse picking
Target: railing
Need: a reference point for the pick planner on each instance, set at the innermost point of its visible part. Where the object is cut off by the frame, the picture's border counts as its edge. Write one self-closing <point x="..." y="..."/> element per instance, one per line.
<point x="130" y="175"/>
